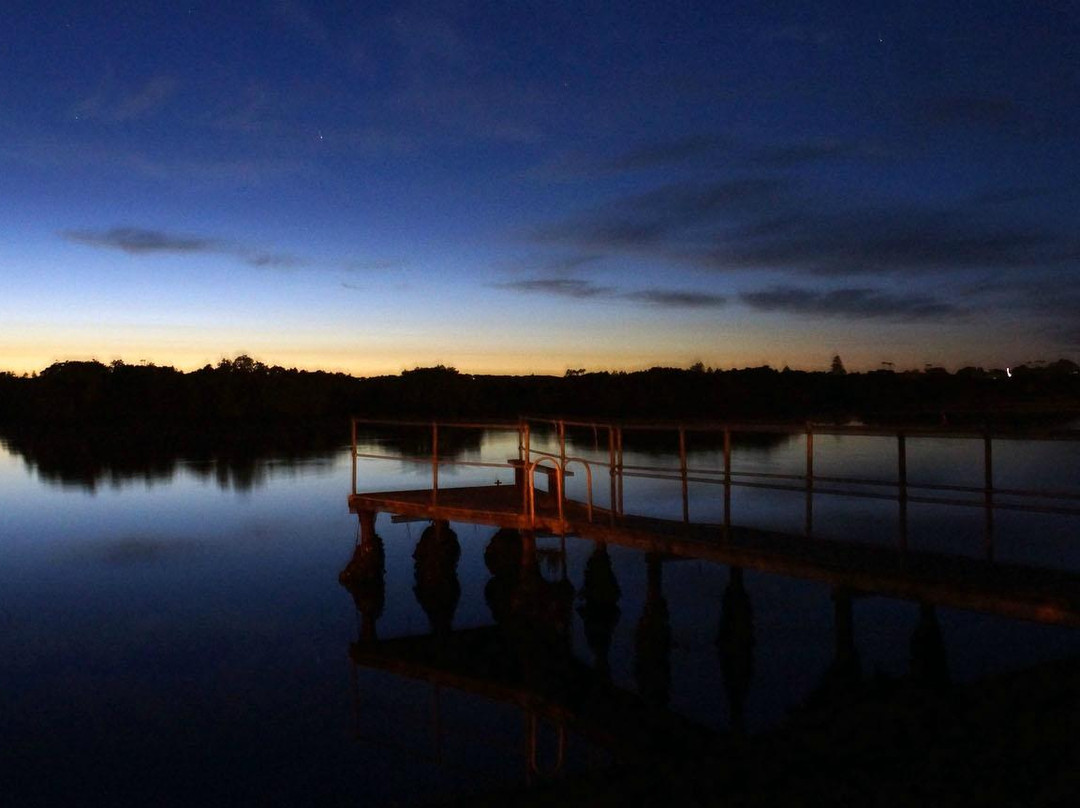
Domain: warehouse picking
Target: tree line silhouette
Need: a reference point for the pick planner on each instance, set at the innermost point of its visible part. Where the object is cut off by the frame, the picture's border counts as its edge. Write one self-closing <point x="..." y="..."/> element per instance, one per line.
<point x="242" y="392"/>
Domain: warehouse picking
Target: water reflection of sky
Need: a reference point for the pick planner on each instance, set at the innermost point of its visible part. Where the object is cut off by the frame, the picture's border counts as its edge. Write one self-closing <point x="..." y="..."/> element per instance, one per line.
<point x="191" y="631"/>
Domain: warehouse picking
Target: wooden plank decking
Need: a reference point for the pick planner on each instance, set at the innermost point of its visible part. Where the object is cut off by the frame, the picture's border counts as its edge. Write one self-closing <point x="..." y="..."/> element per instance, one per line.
<point x="1023" y="592"/>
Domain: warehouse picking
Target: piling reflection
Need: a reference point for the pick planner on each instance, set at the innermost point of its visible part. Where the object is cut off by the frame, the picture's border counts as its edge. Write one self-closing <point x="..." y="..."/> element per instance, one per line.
<point x="574" y="708"/>
<point x="437" y="587"/>
<point x="365" y="577"/>
<point x="503" y="561"/>
<point x="600" y="607"/>
<point x="735" y="643"/>
<point x="526" y="657"/>
<point x="929" y="665"/>
<point x="540" y="614"/>
<point x="652" y="647"/>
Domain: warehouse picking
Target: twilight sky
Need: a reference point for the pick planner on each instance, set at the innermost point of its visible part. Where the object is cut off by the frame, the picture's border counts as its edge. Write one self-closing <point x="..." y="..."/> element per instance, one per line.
<point x="530" y="186"/>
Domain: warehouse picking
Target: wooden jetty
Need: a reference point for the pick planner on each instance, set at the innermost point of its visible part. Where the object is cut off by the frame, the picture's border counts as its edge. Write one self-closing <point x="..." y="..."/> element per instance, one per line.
<point x="1039" y="594"/>
<point x="1010" y="590"/>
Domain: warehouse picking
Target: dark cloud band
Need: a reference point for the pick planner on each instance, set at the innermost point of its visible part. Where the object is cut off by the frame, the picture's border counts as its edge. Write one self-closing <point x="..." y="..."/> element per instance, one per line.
<point x="144" y="241"/>
<point x="851" y="303"/>
<point x="138" y="240"/>
<point x="581" y="289"/>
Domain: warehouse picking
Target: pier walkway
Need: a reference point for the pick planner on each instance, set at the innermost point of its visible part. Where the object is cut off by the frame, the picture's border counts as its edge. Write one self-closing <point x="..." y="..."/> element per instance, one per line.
<point x="1039" y="594"/>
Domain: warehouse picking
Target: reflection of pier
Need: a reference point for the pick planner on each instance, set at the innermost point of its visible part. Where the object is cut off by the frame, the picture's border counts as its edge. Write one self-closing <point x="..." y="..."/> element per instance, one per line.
<point x="1043" y="595"/>
<point x="526" y="658"/>
<point x="484" y="662"/>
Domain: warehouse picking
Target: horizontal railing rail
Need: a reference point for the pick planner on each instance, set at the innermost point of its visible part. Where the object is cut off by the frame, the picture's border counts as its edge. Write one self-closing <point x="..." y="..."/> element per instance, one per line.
<point x="552" y="458"/>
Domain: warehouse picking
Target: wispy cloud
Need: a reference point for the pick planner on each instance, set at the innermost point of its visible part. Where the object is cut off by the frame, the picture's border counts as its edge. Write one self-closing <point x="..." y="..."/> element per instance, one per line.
<point x="763" y="223"/>
<point x="667" y="152"/>
<point x="113" y="104"/>
<point x="704" y="151"/>
<point x="1018" y="116"/>
<point x="794" y="155"/>
<point x="1010" y="194"/>
<point x="561" y="287"/>
<point x="581" y="289"/>
<point x="218" y="171"/>
<point x="271" y="260"/>
<point x="897" y="240"/>
<point x="677" y="299"/>
<point x="137" y="240"/>
<point x="850" y="303"/>
<point x="374" y="265"/>
<point x="145" y="241"/>
<point x="655" y="216"/>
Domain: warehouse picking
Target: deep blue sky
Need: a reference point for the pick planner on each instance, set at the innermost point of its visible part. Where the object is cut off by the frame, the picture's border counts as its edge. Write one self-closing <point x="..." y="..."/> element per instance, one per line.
<point x="531" y="186"/>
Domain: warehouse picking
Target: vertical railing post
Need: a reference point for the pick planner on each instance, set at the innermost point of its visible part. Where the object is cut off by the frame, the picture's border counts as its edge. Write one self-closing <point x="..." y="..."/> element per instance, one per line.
<point x="434" y="463"/>
<point x="727" y="478"/>
<point x="901" y="485"/>
<point x="526" y="472"/>
<point x="560" y="495"/>
<point x="809" y="480"/>
<point x="562" y="464"/>
<point x="618" y="439"/>
<point x="611" y="470"/>
<point x="682" y="474"/>
<point x="352" y="422"/>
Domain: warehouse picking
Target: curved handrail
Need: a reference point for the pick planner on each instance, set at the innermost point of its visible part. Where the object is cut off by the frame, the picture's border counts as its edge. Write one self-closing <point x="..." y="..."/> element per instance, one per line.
<point x="588" y="481"/>
<point x="530" y="469"/>
<point x="560" y="466"/>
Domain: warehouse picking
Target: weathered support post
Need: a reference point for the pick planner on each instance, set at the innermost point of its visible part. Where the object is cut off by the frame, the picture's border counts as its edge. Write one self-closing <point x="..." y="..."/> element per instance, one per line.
<point x="367" y="526"/>
<point x="682" y="473"/>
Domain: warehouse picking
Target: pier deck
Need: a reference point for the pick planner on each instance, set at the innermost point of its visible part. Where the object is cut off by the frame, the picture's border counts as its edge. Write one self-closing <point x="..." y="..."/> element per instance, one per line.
<point x="1016" y="591"/>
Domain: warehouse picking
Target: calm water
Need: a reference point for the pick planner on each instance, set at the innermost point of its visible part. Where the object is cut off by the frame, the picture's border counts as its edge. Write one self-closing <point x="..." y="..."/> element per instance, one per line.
<point x="182" y="638"/>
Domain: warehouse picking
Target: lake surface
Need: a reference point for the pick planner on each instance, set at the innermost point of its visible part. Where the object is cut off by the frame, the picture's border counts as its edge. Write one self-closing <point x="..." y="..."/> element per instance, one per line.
<point x="181" y="637"/>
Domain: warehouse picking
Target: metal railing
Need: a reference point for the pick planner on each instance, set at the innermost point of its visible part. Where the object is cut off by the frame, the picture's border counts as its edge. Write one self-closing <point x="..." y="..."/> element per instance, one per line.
<point x="434" y="459"/>
<point x="900" y="489"/>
